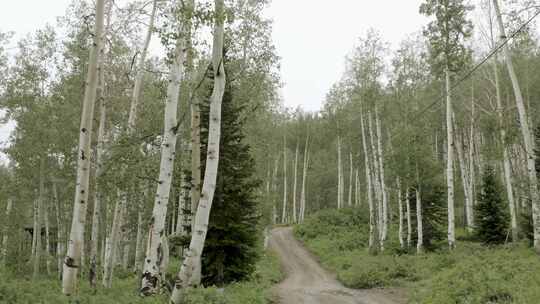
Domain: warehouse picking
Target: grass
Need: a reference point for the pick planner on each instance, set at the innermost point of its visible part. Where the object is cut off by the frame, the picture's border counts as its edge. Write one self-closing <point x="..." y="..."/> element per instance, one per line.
<point x="471" y="274"/>
<point x="18" y="289"/>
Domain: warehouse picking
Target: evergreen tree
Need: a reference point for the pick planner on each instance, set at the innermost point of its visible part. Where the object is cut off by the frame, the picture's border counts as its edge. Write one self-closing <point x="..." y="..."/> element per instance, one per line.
<point x="433" y="213"/>
<point x="230" y="251"/>
<point x="491" y="215"/>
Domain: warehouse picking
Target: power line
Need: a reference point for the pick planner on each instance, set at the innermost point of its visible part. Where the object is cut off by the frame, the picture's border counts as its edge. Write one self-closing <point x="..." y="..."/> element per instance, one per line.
<point x="474" y="69"/>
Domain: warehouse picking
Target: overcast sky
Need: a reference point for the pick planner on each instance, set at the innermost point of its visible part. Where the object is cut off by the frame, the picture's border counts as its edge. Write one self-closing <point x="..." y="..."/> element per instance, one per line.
<point x="312" y="36"/>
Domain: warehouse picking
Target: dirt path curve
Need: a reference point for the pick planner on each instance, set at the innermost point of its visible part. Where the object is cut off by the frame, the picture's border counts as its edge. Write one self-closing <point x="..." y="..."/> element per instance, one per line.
<point x="308" y="283"/>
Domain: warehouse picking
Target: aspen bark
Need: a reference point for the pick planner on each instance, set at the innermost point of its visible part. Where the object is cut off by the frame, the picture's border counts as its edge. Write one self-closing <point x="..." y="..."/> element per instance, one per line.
<point x="400" y="210"/>
<point x="380" y="158"/>
<point x="339" y="193"/>
<point x="37" y="232"/>
<point x="73" y="257"/>
<point x="506" y="159"/>
<point x="304" y="178"/>
<point x="284" y="211"/>
<point x="137" y="87"/>
<point x="465" y="181"/>
<point x="138" y="241"/>
<point x="294" y="219"/>
<point x="356" y="189"/>
<point x="350" y="178"/>
<point x="409" y="222"/>
<point x="192" y="260"/>
<point x="450" y="163"/>
<point x="369" y="185"/>
<point x="39" y="215"/>
<point x="6" y="232"/>
<point x="376" y="178"/>
<point x="60" y="236"/>
<point x="419" y="223"/>
<point x="526" y="132"/>
<point x="152" y="271"/>
<point x="47" y="238"/>
<point x="111" y="245"/>
<point x="274" y="190"/>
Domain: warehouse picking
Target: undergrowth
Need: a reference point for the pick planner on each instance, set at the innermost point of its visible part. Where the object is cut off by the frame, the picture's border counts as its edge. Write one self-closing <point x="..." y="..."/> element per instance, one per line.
<point x="470" y="274"/>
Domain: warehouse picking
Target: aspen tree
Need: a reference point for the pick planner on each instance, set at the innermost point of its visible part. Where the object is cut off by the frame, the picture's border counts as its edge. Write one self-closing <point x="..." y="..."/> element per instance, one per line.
<point x="525" y="131"/>
<point x="100" y="150"/>
<point x="351" y="170"/>
<point x="376" y="180"/>
<point x="47" y="237"/>
<point x="294" y="218"/>
<point x="419" y="224"/>
<point x="507" y="171"/>
<point x="400" y="210"/>
<point x="369" y="185"/>
<point x="304" y="178"/>
<point x="73" y="257"/>
<point x="152" y="271"/>
<point x="380" y="158"/>
<point x="192" y="257"/>
<point x="60" y="235"/>
<point x="340" y="181"/>
<point x="409" y="222"/>
<point x="39" y="218"/>
<point x="446" y="35"/>
<point x="284" y="210"/>
<point x="6" y="232"/>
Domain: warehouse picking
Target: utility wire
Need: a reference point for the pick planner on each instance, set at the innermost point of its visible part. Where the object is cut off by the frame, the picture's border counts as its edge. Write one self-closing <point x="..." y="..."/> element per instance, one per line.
<point x="474" y="69"/>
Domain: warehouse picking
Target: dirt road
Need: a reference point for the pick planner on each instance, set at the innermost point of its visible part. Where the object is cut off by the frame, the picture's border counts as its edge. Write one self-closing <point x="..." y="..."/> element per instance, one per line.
<point x="308" y="283"/>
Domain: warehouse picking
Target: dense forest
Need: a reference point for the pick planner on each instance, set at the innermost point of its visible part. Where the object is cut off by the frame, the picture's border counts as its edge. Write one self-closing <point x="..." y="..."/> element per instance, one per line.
<point x="181" y="176"/>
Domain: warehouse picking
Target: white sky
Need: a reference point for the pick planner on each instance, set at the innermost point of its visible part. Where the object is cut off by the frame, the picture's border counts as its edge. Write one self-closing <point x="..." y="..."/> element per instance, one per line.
<point x="312" y="36"/>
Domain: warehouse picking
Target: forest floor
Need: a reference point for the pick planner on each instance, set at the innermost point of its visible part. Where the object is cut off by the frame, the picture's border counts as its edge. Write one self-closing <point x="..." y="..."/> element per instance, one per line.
<point x="308" y="282"/>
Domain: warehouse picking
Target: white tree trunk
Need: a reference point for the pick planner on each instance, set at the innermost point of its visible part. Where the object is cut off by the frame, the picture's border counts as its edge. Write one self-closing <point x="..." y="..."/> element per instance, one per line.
<point x="6" y="232"/>
<point x="274" y="191"/>
<point x="376" y="179"/>
<point x="192" y="260"/>
<point x="60" y="236"/>
<point x="137" y="87"/>
<point x="380" y="158"/>
<point x="351" y="170"/>
<point x="340" y="174"/>
<point x="47" y="237"/>
<point x="39" y="216"/>
<point x="507" y="173"/>
<point x="463" y="168"/>
<point x="111" y="245"/>
<point x="369" y="186"/>
<point x="138" y="241"/>
<point x="294" y="218"/>
<point x="73" y="257"/>
<point x="526" y="133"/>
<point x="356" y="189"/>
<point x="450" y="164"/>
<point x="152" y="272"/>
<point x="400" y="210"/>
<point x="409" y="222"/>
<point x="284" y="209"/>
<point x="304" y="179"/>
<point x="419" y="223"/>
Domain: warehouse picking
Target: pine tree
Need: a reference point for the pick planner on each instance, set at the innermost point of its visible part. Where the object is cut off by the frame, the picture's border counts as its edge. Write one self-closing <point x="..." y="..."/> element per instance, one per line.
<point x="491" y="215"/>
<point x="433" y="212"/>
<point x="230" y="250"/>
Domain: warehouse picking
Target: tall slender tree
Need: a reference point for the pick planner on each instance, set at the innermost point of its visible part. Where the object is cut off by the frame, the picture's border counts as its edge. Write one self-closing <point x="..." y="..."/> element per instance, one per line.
<point x="72" y="261"/>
